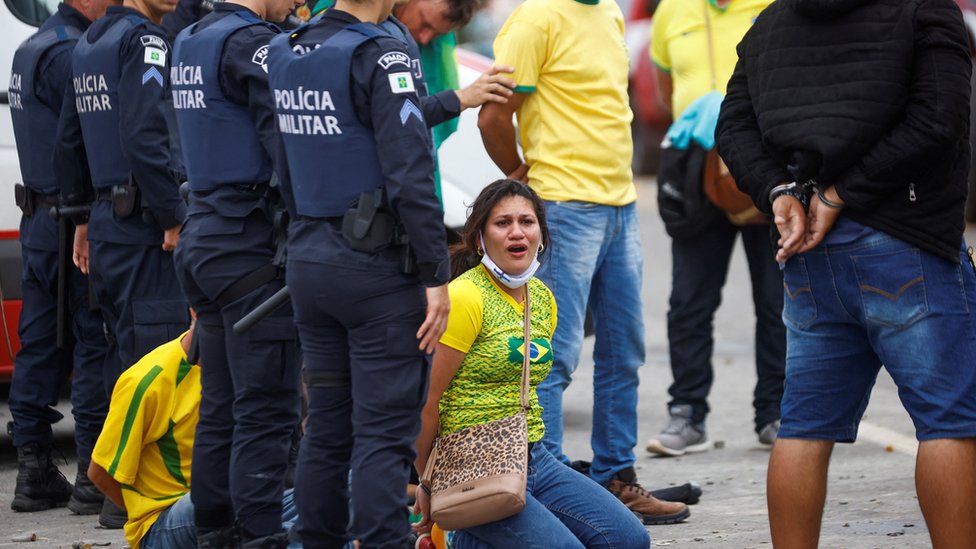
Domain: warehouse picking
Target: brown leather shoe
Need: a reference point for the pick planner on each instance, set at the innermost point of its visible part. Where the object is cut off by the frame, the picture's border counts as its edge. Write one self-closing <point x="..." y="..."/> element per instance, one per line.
<point x="647" y="507"/>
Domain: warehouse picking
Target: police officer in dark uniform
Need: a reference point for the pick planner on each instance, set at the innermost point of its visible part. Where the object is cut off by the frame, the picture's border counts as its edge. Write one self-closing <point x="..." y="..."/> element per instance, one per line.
<point x="354" y="132"/>
<point x="226" y="262"/>
<point x="113" y="124"/>
<point x="41" y="74"/>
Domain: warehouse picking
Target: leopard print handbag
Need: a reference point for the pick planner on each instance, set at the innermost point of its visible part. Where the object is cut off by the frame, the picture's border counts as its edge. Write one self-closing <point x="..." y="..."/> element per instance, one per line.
<point x="477" y="475"/>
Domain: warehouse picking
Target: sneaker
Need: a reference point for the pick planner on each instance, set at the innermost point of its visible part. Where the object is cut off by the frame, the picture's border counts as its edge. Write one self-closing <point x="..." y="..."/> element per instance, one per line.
<point x="768" y="434"/>
<point x="40" y="484"/>
<point x="646" y="507"/>
<point x="112" y="517"/>
<point x="681" y="436"/>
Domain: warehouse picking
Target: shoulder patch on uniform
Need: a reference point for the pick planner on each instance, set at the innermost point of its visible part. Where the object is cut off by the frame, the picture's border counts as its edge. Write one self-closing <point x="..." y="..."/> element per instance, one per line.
<point x="401" y="82"/>
<point x="260" y="57"/>
<point x="154" y="41"/>
<point x="409" y="109"/>
<point x="154" y="56"/>
<point x="394" y="58"/>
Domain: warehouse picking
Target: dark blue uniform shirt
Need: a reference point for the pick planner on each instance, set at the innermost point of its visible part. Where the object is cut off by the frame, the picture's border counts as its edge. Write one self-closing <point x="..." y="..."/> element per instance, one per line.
<point x="144" y="135"/>
<point x="243" y="78"/>
<point x="408" y="176"/>
<point x="439" y="107"/>
<point x="52" y="79"/>
<point x="54" y="67"/>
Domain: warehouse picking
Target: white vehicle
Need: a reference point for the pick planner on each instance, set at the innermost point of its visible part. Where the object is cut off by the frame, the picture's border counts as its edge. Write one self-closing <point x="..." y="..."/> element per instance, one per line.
<point x="18" y="19"/>
<point x="465" y="166"/>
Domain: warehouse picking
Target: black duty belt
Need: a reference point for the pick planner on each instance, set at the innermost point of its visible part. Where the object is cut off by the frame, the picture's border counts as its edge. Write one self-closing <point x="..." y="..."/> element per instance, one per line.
<point x="104" y="194"/>
<point x="45" y="201"/>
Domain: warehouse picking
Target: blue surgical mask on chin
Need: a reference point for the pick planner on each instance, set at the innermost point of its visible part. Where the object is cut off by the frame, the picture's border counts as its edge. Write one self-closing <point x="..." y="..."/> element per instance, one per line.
<point x="512" y="281"/>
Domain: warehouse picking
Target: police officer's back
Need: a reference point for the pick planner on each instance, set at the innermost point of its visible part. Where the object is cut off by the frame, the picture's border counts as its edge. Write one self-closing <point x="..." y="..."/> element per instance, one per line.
<point x="113" y="125"/>
<point x="352" y="125"/>
<point x="226" y="260"/>
<point x="41" y="73"/>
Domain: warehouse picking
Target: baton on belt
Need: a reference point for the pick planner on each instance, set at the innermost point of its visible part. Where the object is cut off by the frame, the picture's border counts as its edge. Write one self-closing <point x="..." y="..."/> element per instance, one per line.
<point x="63" y="215"/>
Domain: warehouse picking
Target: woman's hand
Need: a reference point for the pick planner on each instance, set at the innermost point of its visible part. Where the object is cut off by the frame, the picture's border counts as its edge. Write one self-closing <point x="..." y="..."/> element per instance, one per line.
<point x="421" y="507"/>
<point x="438" y="309"/>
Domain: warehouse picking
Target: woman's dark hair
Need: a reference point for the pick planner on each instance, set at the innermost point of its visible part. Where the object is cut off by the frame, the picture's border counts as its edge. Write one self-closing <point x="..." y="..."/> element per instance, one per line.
<point x="465" y="254"/>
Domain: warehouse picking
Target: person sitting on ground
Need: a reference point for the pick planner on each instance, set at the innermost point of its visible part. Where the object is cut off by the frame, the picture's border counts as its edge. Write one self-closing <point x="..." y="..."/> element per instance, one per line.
<point x="476" y="373"/>
<point x="141" y="460"/>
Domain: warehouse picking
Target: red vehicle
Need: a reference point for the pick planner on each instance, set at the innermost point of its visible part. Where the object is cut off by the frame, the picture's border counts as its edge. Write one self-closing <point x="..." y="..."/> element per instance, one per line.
<point x="650" y="122"/>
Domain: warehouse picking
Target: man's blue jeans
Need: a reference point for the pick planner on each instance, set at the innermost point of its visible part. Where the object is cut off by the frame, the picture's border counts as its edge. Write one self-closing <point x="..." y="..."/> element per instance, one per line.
<point x="851" y="308"/>
<point x="174" y="529"/>
<point x="596" y="259"/>
<point x="563" y="509"/>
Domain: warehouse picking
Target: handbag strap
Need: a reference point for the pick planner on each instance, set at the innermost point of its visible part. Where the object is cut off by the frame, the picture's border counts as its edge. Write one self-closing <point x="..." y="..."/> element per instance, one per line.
<point x="711" y="46"/>
<point x="526" y="351"/>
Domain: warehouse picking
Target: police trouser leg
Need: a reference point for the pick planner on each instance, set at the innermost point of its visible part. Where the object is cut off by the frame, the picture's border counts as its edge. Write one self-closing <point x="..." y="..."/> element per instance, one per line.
<point x="39" y="366"/>
<point x="251" y="395"/>
<point x="89" y="401"/>
<point x="360" y="326"/>
<point x="265" y="365"/>
<point x="136" y="287"/>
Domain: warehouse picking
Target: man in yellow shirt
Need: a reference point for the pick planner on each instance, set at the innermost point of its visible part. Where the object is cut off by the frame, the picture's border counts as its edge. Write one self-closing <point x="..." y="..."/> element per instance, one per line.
<point x="693" y="47"/>
<point x="574" y="118"/>
<point x="142" y="458"/>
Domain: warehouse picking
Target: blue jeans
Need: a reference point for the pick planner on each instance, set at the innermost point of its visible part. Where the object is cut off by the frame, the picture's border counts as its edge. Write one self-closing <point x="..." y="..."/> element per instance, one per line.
<point x="596" y="259"/>
<point x="174" y="529"/>
<point x="563" y="509"/>
<point x="853" y="307"/>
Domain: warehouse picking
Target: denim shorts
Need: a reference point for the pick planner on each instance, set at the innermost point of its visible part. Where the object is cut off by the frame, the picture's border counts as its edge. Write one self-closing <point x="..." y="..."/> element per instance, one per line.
<point x="876" y="301"/>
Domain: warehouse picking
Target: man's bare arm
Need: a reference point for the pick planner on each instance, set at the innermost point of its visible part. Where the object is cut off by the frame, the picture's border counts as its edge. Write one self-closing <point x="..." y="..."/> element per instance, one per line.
<point x="498" y="133"/>
<point x="665" y="87"/>
<point x="104" y="482"/>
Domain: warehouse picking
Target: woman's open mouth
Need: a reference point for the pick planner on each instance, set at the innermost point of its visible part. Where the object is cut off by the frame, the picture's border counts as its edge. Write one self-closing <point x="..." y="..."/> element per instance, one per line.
<point x="517" y="250"/>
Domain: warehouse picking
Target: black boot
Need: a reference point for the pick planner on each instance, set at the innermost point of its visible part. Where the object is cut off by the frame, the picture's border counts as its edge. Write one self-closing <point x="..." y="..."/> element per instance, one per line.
<point x="86" y="499"/>
<point x="111" y="516"/>
<point x="276" y="541"/>
<point x="40" y="484"/>
<point x="224" y="538"/>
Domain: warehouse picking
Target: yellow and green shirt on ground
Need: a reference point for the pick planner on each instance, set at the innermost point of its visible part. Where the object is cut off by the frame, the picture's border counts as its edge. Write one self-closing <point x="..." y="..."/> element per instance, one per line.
<point x="147" y="441"/>
<point x="679" y="44"/>
<point x="487" y="325"/>
<point x="570" y="57"/>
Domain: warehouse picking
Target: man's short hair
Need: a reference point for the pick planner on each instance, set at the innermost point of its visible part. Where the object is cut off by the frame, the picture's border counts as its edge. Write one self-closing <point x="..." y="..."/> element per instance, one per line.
<point x="460" y="12"/>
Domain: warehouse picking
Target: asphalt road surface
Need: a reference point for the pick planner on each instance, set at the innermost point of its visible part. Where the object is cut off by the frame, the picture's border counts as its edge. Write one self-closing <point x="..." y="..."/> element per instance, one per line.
<point x="871" y="501"/>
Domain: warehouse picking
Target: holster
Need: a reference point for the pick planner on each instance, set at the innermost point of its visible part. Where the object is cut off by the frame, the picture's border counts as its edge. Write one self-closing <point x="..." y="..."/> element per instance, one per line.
<point x="24" y="199"/>
<point x="125" y="200"/>
<point x="367" y="227"/>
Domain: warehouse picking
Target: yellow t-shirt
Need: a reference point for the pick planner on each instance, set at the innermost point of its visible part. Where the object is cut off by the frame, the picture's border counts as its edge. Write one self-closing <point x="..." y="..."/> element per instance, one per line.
<point x="679" y="44"/>
<point x="487" y="325"/>
<point x="147" y="441"/>
<point x="570" y="57"/>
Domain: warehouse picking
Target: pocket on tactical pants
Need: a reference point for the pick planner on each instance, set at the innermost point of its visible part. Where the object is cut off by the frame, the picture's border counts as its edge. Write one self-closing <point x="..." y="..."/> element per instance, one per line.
<point x="799" y="307"/>
<point x="892" y="287"/>
<point x="156" y="321"/>
<point x="403" y="347"/>
<point x="271" y="343"/>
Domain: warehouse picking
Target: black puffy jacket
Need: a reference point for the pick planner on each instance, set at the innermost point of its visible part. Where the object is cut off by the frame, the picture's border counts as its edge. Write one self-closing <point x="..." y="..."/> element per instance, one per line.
<point x="869" y="95"/>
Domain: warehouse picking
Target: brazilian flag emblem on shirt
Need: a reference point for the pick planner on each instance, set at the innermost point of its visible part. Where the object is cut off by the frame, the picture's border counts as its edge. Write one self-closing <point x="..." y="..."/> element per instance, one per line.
<point x="540" y="350"/>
